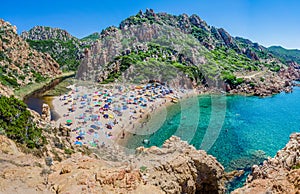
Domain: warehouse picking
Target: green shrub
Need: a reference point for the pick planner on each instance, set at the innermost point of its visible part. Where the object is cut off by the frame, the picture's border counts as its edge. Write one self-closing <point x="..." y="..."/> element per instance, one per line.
<point x="232" y="79"/>
<point x="9" y="81"/>
<point x="68" y="151"/>
<point x="252" y="84"/>
<point x="18" y="124"/>
<point x="296" y="166"/>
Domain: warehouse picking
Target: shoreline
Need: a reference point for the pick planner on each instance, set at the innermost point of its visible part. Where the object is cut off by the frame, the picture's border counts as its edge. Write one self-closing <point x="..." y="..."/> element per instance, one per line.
<point x="159" y="108"/>
<point x="37" y="88"/>
<point x="132" y="118"/>
<point x="127" y="125"/>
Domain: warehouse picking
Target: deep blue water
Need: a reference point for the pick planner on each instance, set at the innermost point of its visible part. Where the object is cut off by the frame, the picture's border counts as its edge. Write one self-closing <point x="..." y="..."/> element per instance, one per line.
<point x="239" y="131"/>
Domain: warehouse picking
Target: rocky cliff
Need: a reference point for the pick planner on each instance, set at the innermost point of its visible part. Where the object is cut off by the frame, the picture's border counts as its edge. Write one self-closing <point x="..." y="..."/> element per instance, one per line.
<point x="174" y="168"/>
<point x="207" y="55"/>
<point x="62" y="46"/>
<point x="19" y="63"/>
<point x="280" y="174"/>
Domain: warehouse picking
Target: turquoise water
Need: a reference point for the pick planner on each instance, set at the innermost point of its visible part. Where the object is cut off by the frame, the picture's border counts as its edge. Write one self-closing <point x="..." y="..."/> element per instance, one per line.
<point x="239" y="131"/>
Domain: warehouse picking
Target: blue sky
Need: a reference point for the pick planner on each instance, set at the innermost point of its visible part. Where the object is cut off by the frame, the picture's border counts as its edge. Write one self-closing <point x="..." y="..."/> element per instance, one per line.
<point x="268" y="22"/>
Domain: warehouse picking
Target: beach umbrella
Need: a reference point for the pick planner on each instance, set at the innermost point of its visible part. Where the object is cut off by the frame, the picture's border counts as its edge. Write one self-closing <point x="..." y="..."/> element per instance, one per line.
<point x="94" y="127"/>
<point x="98" y="123"/>
<point x="94" y="116"/>
<point x="78" y="143"/>
<point x="96" y="135"/>
<point x="111" y="123"/>
<point x="81" y="133"/>
<point x="69" y="121"/>
<point x="93" y="144"/>
<point x="105" y="116"/>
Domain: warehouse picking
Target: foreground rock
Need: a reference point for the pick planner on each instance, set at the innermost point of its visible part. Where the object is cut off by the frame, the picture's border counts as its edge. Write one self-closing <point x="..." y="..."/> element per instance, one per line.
<point x="174" y="168"/>
<point x="280" y="174"/>
<point x="179" y="168"/>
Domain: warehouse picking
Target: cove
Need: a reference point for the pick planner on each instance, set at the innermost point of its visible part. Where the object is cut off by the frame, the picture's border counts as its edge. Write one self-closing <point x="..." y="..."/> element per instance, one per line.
<point x="36" y="99"/>
<point x="251" y="129"/>
<point x="35" y="102"/>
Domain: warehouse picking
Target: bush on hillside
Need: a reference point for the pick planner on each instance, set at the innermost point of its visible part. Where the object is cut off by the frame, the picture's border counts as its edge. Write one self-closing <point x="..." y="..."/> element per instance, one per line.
<point x="16" y="122"/>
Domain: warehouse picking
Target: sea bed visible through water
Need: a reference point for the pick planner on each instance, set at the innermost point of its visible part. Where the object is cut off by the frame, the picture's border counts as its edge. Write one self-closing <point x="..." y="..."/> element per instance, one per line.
<point x="239" y="131"/>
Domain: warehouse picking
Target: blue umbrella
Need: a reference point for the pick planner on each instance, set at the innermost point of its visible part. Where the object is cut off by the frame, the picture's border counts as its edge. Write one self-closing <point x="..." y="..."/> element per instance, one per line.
<point x="94" y="127"/>
<point x="78" y="143"/>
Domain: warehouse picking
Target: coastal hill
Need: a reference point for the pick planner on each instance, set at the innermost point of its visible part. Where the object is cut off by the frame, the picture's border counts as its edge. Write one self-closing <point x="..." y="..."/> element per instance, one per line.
<point x="40" y="156"/>
<point x="185" y="50"/>
<point x="285" y="54"/>
<point x="151" y="42"/>
<point x="66" y="49"/>
<point x="21" y="65"/>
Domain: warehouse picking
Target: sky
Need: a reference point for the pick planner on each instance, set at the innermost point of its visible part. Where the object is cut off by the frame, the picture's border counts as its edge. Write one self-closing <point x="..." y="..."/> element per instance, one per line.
<point x="268" y="22"/>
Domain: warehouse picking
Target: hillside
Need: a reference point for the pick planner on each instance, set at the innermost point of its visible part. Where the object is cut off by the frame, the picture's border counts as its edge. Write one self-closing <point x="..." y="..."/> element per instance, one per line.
<point x="185" y="46"/>
<point x="285" y="54"/>
<point x="62" y="46"/>
<point x="21" y="65"/>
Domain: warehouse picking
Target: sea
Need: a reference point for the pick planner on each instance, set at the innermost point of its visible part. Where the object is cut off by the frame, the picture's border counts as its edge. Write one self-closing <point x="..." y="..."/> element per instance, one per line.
<point x="239" y="131"/>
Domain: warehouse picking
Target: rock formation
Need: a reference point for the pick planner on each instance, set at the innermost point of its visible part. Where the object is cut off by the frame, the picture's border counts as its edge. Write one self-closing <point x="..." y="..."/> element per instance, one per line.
<point x="46" y="114"/>
<point x="209" y="54"/>
<point x="179" y="168"/>
<point x="6" y="91"/>
<point x="46" y="33"/>
<point x="66" y="49"/>
<point x="279" y="174"/>
<point x="174" y="168"/>
<point x="20" y="64"/>
<point x="268" y="83"/>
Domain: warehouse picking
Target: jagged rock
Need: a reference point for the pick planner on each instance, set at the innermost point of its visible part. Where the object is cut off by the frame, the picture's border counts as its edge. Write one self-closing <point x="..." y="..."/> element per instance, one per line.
<point x="5" y="91"/>
<point x="276" y="174"/>
<point x="65" y="170"/>
<point x="179" y="168"/>
<point x="46" y="33"/>
<point x="46" y="114"/>
<point x="62" y="46"/>
<point x="22" y="64"/>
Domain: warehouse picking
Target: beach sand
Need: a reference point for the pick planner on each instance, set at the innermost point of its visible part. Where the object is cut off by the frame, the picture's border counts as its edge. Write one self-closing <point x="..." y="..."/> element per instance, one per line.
<point x="128" y="110"/>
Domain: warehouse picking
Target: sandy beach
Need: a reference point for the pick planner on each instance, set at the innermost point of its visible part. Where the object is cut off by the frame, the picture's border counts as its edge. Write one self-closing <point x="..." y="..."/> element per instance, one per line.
<point x="106" y="115"/>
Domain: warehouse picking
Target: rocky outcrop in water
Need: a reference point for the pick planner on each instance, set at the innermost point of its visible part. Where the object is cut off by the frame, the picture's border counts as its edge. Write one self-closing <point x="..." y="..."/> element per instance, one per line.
<point x="20" y="64"/>
<point x="268" y="83"/>
<point x="280" y="174"/>
<point x="46" y="114"/>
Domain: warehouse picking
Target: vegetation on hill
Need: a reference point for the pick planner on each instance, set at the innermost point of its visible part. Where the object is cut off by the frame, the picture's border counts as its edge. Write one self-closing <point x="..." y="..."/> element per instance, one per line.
<point x="63" y="47"/>
<point x="91" y="37"/>
<point x="285" y="54"/>
<point x="64" y="52"/>
<point x="16" y="123"/>
<point x="21" y="65"/>
<point x="151" y="60"/>
<point x="209" y="53"/>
